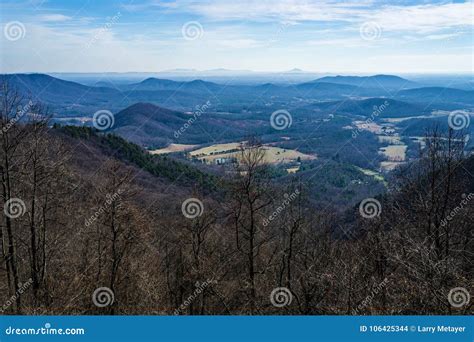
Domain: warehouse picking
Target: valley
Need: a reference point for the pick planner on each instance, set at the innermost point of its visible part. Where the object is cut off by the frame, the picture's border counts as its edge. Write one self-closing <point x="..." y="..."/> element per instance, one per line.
<point x="365" y="127"/>
<point x="371" y="122"/>
<point x="226" y="158"/>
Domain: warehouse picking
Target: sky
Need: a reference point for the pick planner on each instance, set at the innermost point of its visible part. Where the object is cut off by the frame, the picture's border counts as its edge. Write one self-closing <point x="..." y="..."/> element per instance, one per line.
<point x="365" y="36"/>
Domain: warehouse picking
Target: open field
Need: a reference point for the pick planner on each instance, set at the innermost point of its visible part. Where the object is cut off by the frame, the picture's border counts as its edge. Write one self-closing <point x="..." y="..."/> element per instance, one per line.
<point x="387" y="166"/>
<point x="174" y="148"/>
<point x="368" y="126"/>
<point x="372" y="173"/>
<point x="215" y="149"/>
<point x="293" y="169"/>
<point x="391" y="140"/>
<point x="394" y="152"/>
<point x="224" y="152"/>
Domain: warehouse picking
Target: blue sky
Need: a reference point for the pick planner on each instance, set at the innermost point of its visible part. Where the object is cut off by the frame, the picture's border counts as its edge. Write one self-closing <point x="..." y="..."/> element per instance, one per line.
<point x="365" y="36"/>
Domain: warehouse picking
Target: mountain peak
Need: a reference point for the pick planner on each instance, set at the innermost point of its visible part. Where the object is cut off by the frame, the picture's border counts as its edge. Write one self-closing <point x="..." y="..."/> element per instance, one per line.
<point x="295" y="70"/>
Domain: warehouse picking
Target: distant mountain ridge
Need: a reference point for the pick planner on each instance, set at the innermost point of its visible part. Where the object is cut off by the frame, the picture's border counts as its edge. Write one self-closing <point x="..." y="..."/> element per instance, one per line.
<point x="376" y="81"/>
<point x="72" y="99"/>
<point x="153" y="83"/>
<point x="57" y="90"/>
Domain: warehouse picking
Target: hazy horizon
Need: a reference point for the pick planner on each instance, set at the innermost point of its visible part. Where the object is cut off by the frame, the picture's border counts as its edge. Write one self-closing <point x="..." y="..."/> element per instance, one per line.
<point x="244" y="72"/>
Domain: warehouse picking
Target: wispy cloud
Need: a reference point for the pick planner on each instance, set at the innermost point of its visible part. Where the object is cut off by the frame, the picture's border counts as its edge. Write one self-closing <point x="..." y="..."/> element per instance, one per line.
<point x="443" y="36"/>
<point x="54" y="18"/>
<point x="393" y="17"/>
<point x="321" y="35"/>
<point x="239" y="43"/>
<point x="342" y="42"/>
<point x="425" y="18"/>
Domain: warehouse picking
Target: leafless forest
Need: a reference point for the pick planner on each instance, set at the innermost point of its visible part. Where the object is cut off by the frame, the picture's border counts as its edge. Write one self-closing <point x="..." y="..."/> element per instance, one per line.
<point x="78" y="218"/>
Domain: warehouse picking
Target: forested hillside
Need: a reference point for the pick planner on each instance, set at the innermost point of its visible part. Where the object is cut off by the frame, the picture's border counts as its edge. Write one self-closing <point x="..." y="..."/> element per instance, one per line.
<point x="86" y="211"/>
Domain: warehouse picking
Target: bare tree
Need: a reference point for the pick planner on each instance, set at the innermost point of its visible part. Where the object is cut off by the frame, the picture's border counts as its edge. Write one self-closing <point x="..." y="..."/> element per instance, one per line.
<point x="12" y="135"/>
<point x="249" y="198"/>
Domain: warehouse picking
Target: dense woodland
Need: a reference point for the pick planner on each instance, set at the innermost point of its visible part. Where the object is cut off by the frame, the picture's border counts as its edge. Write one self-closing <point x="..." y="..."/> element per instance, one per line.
<point x="101" y="212"/>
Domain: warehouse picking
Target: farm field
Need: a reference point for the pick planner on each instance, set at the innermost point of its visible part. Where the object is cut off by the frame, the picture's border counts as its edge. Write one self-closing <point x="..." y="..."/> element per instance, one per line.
<point x="391" y="140"/>
<point x="387" y="166"/>
<point x="394" y="152"/>
<point x="372" y="173"/>
<point x="273" y="155"/>
<point x="174" y="148"/>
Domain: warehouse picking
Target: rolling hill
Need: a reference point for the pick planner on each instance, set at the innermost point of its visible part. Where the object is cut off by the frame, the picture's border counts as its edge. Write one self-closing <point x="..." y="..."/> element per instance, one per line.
<point x="376" y="107"/>
<point x="153" y="126"/>
<point x="54" y="90"/>
<point x="438" y="95"/>
<point x="71" y="99"/>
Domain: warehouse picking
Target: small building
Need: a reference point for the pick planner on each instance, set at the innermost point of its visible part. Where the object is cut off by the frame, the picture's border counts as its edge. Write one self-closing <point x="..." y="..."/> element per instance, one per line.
<point x="222" y="161"/>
